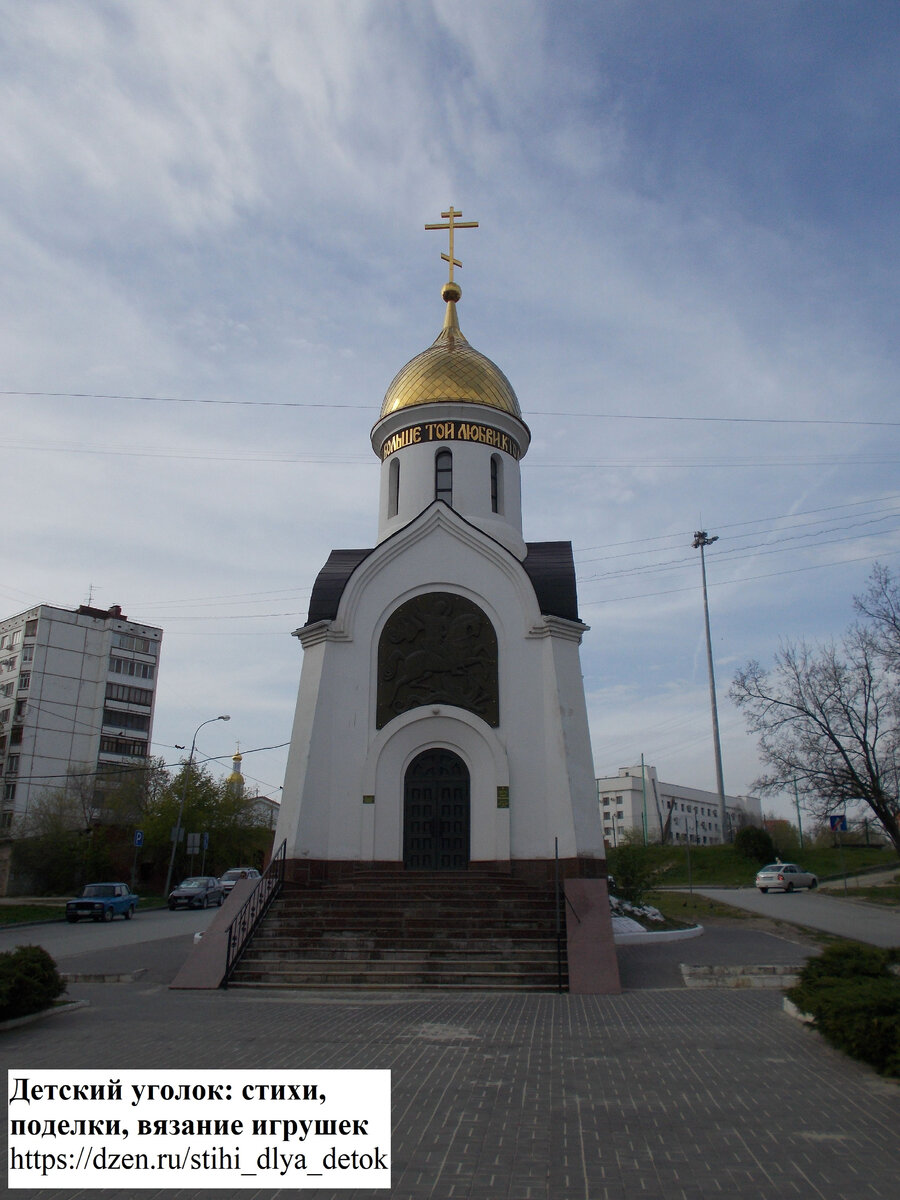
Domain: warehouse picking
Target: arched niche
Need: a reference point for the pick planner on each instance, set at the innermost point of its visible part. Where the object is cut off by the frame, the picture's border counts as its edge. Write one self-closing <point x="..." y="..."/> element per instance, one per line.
<point x="438" y="648"/>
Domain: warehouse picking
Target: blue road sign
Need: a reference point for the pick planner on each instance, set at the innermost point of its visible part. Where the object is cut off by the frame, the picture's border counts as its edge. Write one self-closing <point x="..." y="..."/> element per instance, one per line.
<point x="139" y="837"/>
<point x="838" y="823"/>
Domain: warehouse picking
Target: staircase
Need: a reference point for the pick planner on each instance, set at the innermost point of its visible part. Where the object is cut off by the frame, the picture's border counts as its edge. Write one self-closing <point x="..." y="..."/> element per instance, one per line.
<point x="406" y="930"/>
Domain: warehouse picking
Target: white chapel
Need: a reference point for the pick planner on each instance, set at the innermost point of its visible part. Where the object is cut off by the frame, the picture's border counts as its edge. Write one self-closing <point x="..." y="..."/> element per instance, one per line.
<point x="441" y="723"/>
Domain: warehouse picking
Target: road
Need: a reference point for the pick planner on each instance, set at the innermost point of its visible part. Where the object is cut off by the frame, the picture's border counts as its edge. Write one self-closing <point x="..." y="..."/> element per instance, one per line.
<point x="831" y="914"/>
<point x="854" y="919"/>
<point x="63" y="941"/>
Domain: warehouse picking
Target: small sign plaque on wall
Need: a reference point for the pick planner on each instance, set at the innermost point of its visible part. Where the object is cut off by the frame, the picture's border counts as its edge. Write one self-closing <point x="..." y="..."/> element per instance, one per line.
<point x="503" y="797"/>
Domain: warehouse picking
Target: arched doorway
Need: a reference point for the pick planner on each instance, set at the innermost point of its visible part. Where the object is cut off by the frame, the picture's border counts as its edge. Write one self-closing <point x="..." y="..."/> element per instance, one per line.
<point x="436" y="813"/>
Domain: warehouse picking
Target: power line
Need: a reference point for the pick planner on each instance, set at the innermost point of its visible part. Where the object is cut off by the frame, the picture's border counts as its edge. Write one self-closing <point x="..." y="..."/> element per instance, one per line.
<point x="745" y="579"/>
<point x="244" y="753"/>
<point x="241" y="616"/>
<point x="735" y="555"/>
<point x="267" y="457"/>
<point x="713" y="420"/>
<point x="273" y="458"/>
<point x="231" y="596"/>
<point x="810" y="525"/>
<point x="315" y="404"/>
<point x="721" y="464"/>
<point x="682" y="534"/>
<point x="113" y="769"/>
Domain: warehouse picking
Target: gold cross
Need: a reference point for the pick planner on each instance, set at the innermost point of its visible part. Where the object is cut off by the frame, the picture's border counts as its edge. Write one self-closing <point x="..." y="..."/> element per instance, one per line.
<point x="451" y="224"/>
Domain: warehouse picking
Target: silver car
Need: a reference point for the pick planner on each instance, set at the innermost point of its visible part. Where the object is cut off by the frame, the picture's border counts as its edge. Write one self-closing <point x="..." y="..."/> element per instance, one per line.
<point x="784" y="877"/>
<point x="230" y="878"/>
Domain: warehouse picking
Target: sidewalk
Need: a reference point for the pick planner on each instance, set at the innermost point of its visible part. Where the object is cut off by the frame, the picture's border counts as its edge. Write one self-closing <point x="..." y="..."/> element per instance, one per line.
<point x="662" y="1092"/>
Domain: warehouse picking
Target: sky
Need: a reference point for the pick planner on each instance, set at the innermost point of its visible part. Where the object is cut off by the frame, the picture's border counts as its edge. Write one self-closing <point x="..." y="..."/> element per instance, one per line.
<point x="214" y="261"/>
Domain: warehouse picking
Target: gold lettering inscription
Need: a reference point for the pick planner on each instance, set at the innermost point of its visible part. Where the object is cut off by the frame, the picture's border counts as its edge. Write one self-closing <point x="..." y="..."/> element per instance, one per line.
<point x="451" y="431"/>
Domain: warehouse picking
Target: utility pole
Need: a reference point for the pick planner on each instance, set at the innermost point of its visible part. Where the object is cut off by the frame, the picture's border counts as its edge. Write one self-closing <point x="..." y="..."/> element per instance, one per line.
<point x="799" y="822"/>
<point x="176" y="832"/>
<point x="702" y="540"/>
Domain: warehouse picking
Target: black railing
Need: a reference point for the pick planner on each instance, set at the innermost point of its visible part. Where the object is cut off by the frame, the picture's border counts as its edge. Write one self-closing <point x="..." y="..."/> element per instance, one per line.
<point x="562" y="902"/>
<point x="556" y="890"/>
<point x="254" y="908"/>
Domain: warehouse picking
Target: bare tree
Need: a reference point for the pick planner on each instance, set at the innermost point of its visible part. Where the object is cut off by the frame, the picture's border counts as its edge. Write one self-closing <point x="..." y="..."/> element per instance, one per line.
<point x="880" y="603"/>
<point x="827" y="718"/>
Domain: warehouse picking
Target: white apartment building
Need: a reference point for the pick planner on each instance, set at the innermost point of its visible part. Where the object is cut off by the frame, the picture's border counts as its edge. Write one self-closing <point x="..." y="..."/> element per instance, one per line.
<point x="77" y="690"/>
<point x="686" y="814"/>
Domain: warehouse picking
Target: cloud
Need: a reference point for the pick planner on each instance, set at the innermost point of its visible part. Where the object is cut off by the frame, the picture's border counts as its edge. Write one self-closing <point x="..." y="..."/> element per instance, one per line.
<point x="682" y="214"/>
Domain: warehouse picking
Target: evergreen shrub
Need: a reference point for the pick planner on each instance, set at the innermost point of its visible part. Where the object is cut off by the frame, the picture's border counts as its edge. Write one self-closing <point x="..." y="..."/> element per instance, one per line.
<point x="755" y="844"/>
<point x="635" y="872"/>
<point x="854" y="998"/>
<point x="29" y="982"/>
<point x="846" y="960"/>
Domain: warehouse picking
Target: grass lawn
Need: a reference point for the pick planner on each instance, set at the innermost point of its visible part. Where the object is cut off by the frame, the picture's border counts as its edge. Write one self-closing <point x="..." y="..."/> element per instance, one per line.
<point x="55" y="910"/>
<point x="886" y="893"/>
<point x="721" y="866"/>
<point x="20" y="914"/>
<point x="692" y="909"/>
<point x="686" y="909"/>
<point x="681" y="910"/>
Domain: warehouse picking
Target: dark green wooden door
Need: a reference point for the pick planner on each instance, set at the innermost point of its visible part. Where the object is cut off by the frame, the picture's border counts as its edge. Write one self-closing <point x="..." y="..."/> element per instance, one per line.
<point x="436" y="813"/>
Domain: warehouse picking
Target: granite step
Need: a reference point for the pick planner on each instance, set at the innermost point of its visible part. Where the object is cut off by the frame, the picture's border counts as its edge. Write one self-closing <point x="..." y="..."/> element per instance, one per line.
<point x="408" y="931"/>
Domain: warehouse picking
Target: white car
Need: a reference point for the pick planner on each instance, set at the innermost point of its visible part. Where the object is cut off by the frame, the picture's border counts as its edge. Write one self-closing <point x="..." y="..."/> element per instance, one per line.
<point x="230" y="878"/>
<point x="784" y="877"/>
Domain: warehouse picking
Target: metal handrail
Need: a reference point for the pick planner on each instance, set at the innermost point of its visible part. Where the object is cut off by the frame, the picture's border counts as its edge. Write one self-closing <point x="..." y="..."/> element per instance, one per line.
<point x="254" y="908"/>
<point x="556" y="891"/>
<point x="561" y="900"/>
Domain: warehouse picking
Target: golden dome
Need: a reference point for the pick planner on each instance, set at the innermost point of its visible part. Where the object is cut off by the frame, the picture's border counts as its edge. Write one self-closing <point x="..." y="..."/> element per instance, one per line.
<point x="450" y="371"/>
<point x="236" y="777"/>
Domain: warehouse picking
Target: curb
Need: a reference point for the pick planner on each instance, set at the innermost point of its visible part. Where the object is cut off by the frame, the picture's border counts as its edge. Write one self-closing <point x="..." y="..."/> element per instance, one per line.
<point x="69" y="1006"/>
<point x="779" y="975"/>
<point x="659" y="935"/>
<point x="99" y="977"/>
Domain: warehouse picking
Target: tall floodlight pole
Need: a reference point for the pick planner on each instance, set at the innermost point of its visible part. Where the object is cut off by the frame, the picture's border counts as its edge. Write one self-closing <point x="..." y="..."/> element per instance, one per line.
<point x="176" y="832"/>
<point x="701" y="540"/>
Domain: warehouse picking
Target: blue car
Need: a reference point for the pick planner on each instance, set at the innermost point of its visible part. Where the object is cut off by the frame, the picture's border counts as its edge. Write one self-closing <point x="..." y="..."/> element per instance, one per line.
<point x="101" y="902"/>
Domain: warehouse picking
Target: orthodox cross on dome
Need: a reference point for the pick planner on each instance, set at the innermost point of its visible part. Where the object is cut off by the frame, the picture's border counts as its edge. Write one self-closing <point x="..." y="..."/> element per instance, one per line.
<point x="452" y="224"/>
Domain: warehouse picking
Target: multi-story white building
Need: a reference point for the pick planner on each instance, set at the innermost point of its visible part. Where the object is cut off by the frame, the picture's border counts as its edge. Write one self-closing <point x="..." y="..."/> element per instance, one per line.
<point x="77" y="691"/>
<point x="636" y="795"/>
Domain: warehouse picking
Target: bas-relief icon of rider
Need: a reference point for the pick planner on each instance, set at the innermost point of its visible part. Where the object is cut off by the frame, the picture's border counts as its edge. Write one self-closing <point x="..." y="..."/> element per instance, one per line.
<point x="438" y="648"/>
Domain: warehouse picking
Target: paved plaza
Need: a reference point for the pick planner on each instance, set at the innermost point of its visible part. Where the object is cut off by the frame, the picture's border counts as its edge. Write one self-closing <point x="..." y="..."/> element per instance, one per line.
<point x="661" y="1092"/>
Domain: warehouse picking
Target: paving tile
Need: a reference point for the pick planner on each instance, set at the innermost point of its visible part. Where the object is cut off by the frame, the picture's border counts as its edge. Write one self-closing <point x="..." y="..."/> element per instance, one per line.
<point x="659" y="1092"/>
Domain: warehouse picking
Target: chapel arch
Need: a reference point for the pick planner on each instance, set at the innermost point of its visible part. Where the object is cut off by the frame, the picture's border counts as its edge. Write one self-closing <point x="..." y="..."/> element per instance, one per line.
<point x="436" y="812"/>
<point x="438" y="648"/>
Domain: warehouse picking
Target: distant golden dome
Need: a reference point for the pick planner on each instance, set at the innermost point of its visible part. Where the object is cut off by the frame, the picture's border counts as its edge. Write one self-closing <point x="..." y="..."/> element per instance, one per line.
<point x="236" y="779"/>
<point x="450" y="371"/>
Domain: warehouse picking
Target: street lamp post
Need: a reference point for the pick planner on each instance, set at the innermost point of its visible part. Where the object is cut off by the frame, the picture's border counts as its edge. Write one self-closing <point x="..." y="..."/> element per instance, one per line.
<point x="701" y="540"/>
<point x="187" y="774"/>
